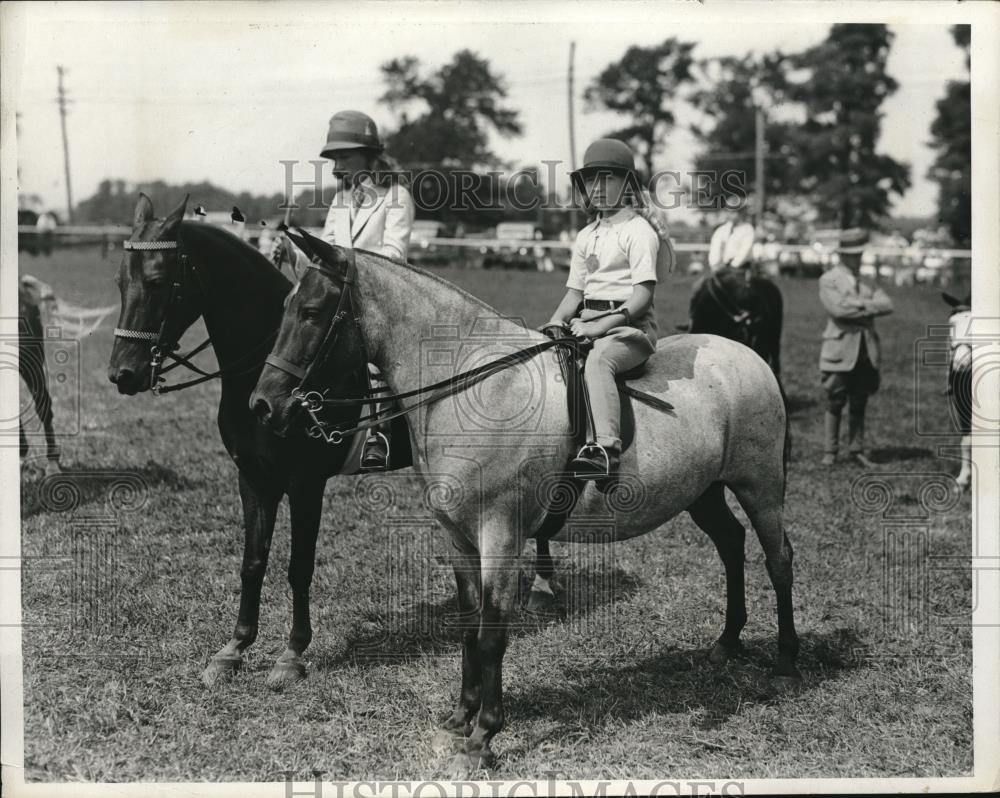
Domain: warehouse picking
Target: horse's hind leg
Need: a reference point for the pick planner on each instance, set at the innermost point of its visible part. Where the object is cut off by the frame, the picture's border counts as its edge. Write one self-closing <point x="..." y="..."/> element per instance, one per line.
<point x="260" y="507"/>
<point x="713" y="516"/>
<point x="762" y="502"/>
<point x="43" y="401"/>
<point x="305" y="501"/>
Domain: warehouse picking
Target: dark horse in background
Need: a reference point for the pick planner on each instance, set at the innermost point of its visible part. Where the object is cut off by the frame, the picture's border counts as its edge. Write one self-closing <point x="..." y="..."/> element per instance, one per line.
<point x="743" y="307"/>
<point x="31" y="293"/>
<point x="239" y="293"/>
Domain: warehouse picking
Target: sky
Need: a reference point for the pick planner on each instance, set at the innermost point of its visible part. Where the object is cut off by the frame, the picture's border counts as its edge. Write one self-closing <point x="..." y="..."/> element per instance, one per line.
<point x="224" y="91"/>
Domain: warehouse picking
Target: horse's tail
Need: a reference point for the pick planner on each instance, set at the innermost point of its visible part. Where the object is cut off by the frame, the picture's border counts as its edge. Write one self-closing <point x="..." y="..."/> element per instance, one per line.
<point x="786" y="449"/>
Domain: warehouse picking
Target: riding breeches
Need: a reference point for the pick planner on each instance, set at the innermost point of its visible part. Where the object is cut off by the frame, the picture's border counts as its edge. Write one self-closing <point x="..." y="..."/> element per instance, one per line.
<point x="621" y="349"/>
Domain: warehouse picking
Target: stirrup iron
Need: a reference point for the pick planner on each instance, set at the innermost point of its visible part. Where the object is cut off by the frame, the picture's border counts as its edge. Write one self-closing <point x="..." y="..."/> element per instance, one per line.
<point x="364" y="446"/>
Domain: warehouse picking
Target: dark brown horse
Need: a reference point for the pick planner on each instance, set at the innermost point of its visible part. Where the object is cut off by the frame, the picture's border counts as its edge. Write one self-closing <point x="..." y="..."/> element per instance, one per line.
<point x="742" y="307"/>
<point x="31" y="294"/>
<point x="172" y="273"/>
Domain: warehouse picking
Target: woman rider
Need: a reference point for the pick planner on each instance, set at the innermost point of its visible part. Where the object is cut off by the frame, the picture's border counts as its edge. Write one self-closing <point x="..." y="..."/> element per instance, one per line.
<point x="372" y="210"/>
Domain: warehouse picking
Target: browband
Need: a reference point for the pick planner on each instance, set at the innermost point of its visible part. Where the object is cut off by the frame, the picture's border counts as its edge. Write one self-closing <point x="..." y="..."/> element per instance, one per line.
<point x="147" y="246"/>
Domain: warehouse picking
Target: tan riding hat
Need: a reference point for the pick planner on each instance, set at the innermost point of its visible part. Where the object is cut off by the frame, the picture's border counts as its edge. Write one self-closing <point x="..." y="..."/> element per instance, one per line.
<point x="853" y="241"/>
<point x="351" y="130"/>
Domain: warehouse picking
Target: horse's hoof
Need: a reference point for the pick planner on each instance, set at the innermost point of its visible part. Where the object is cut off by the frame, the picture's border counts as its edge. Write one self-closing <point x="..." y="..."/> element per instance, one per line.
<point x="783" y="683"/>
<point x="447" y="741"/>
<point x="285" y="673"/>
<point x="220" y="669"/>
<point x="465" y="765"/>
<point x="540" y="601"/>
<point x="721" y="652"/>
<point x="52" y="468"/>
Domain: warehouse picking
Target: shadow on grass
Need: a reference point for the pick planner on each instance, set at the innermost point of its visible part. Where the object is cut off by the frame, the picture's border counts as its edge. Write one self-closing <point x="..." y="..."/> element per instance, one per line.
<point x="432" y="627"/>
<point x="895" y="454"/>
<point x="121" y="490"/>
<point x="677" y="682"/>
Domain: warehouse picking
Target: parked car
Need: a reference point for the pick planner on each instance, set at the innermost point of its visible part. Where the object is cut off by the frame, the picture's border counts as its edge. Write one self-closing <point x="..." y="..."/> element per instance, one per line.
<point x="423" y="251"/>
<point x="513" y="248"/>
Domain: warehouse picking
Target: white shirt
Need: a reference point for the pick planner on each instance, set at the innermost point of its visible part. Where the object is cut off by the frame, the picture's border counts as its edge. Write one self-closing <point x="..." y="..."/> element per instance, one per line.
<point x="381" y="224"/>
<point x="731" y="245"/>
<point x="613" y="254"/>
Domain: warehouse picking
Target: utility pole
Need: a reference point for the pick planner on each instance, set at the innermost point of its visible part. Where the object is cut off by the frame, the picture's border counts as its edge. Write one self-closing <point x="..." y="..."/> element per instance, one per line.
<point x="759" y="125"/>
<point x="61" y="100"/>
<point x="572" y="132"/>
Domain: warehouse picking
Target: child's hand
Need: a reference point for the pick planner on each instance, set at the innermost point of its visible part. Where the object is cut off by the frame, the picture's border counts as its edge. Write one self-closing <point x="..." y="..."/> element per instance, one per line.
<point x="586" y="329"/>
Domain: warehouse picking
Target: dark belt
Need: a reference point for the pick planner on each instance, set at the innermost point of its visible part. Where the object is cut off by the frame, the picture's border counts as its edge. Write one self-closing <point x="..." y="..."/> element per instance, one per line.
<point x="602" y="304"/>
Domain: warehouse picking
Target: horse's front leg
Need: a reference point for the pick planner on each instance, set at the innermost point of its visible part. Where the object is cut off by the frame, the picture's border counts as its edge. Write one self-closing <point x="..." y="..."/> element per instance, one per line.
<point x="499" y="575"/>
<point x="459" y="722"/>
<point x="305" y="500"/>
<point x="260" y="507"/>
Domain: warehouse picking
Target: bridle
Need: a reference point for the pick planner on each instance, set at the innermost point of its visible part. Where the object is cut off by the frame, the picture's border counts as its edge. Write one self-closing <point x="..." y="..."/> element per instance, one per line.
<point x="312" y="400"/>
<point x="164" y="348"/>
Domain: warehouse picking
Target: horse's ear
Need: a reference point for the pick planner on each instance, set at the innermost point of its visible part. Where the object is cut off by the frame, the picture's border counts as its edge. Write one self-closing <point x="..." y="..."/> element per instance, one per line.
<point x="175" y="217"/>
<point x="950" y="299"/>
<point x="143" y="211"/>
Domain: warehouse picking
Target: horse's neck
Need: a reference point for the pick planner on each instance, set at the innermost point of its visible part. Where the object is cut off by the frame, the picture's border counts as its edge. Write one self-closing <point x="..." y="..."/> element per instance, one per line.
<point x="242" y="303"/>
<point x="401" y="306"/>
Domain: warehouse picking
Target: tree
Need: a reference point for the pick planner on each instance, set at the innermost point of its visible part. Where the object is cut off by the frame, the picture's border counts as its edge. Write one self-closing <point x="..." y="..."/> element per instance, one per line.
<point x="726" y="129"/>
<point x="846" y="179"/>
<point x="445" y="118"/>
<point x="951" y="136"/>
<point x="644" y="87"/>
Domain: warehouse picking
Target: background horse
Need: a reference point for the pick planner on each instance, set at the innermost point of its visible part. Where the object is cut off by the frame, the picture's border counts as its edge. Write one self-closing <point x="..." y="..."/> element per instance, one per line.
<point x="31" y="294"/>
<point x="960" y="378"/>
<point x="727" y="429"/>
<point x="742" y="307"/>
<point x="239" y="294"/>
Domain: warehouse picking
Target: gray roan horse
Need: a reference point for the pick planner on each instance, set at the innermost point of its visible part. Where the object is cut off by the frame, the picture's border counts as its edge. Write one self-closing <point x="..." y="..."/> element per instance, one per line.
<point x="727" y="430"/>
<point x="171" y="273"/>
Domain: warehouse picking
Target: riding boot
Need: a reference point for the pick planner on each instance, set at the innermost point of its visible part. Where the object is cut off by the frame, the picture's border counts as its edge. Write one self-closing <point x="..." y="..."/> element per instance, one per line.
<point x="831" y="436"/>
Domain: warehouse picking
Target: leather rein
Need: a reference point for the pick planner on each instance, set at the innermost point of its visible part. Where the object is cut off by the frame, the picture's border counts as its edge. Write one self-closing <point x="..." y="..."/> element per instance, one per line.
<point x="162" y="348"/>
<point x="312" y="401"/>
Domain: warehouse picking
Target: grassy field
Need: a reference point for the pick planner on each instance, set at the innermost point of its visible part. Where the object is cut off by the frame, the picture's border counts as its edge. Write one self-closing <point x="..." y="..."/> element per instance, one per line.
<point x="131" y="582"/>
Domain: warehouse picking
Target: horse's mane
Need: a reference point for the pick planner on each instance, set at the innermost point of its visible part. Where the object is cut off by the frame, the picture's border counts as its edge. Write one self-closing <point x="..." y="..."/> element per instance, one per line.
<point x="439" y="280"/>
<point x="231" y="244"/>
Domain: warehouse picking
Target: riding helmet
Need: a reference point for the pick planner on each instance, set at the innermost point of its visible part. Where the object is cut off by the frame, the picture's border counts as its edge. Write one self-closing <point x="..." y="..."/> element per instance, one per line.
<point x="606" y="155"/>
<point x="351" y="130"/>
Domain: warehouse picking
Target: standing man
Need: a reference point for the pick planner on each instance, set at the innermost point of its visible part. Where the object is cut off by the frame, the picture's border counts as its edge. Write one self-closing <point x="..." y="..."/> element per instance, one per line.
<point x="850" y="355"/>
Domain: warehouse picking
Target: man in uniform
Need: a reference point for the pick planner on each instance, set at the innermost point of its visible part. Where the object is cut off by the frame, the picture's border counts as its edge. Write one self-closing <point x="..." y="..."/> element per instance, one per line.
<point x="850" y="355"/>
